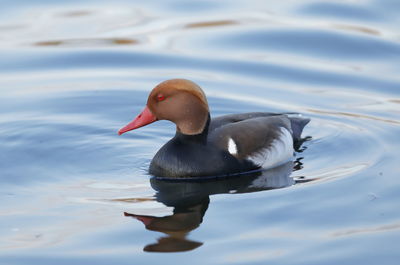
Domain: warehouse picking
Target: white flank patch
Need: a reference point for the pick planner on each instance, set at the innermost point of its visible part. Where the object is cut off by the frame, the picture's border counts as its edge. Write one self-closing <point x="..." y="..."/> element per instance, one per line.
<point x="280" y="151"/>
<point x="232" y="148"/>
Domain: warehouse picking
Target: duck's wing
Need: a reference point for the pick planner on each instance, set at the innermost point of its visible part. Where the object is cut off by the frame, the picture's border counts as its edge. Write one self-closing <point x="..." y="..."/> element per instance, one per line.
<point x="265" y="139"/>
<point x="232" y="118"/>
<point x="297" y="122"/>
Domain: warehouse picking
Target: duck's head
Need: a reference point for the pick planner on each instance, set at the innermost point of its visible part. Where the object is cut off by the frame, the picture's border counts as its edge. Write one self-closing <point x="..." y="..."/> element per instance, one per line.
<point x="178" y="100"/>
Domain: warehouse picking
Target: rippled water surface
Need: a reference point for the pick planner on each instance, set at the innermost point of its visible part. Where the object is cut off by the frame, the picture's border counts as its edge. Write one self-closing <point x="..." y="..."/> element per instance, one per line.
<point x="74" y="192"/>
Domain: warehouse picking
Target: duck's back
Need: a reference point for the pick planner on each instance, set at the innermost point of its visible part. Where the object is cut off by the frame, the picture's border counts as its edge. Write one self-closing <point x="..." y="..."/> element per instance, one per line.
<point x="296" y="122"/>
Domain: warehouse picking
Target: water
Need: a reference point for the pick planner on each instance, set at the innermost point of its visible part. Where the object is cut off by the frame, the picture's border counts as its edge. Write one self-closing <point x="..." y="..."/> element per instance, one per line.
<point x="73" y="191"/>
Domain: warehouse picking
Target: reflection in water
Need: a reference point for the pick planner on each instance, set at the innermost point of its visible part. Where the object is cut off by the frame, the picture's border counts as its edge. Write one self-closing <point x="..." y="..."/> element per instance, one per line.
<point x="190" y="201"/>
<point x="355" y="115"/>
<point x="175" y="226"/>
<point x="76" y="13"/>
<point x="358" y="29"/>
<point x="88" y="42"/>
<point x="211" y="24"/>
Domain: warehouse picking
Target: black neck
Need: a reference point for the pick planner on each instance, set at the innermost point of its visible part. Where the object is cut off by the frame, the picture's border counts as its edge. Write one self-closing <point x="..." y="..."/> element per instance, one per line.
<point x="200" y="138"/>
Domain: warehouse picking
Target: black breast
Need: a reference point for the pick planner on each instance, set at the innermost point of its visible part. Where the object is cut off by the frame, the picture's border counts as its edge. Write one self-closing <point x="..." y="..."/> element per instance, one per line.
<point x="190" y="156"/>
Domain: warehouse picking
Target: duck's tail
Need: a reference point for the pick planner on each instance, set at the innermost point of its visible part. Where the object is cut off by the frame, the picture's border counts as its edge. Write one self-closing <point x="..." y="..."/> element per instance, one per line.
<point x="298" y="123"/>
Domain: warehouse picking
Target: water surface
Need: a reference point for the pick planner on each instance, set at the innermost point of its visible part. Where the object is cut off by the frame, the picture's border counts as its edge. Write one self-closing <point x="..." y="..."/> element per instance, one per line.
<point x="73" y="72"/>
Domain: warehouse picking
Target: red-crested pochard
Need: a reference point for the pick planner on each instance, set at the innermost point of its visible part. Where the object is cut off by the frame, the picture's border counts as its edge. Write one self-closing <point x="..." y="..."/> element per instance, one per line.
<point x="224" y="145"/>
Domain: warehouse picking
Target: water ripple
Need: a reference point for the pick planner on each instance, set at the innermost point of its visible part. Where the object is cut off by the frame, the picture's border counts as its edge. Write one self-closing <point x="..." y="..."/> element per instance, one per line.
<point x="72" y="73"/>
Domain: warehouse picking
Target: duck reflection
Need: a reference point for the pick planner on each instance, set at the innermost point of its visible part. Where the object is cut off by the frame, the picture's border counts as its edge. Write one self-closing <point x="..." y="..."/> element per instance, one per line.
<point x="190" y="200"/>
<point x="176" y="227"/>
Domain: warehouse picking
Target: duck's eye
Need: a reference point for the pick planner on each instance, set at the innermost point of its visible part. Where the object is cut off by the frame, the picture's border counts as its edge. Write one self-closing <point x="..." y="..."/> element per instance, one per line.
<point x="160" y="97"/>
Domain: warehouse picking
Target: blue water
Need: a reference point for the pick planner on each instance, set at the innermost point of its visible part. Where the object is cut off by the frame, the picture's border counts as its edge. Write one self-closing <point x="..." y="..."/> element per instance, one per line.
<point x="73" y="72"/>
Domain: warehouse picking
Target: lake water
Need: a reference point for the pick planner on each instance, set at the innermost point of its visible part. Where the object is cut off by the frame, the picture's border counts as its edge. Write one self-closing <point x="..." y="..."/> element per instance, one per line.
<point x="74" y="192"/>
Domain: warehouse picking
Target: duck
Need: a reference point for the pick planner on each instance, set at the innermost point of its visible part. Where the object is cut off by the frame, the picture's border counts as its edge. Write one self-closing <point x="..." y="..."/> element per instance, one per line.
<point x="205" y="147"/>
